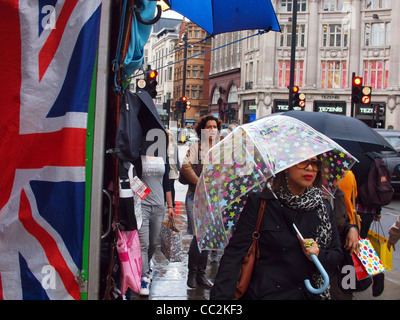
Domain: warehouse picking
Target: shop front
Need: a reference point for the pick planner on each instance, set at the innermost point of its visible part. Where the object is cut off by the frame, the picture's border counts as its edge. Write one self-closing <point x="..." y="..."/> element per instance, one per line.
<point x="283" y="106"/>
<point x="372" y="119"/>
<point x="249" y="111"/>
<point x="336" y="107"/>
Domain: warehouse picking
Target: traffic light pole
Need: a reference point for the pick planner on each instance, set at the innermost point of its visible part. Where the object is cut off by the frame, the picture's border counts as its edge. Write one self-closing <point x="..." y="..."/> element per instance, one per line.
<point x="293" y="52"/>
<point x="352" y="102"/>
<point x="185" y="43"/>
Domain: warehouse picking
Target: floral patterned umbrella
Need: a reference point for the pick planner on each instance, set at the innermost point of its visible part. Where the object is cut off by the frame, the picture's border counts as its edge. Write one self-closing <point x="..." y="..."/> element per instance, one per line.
<point x="245" y="159"/>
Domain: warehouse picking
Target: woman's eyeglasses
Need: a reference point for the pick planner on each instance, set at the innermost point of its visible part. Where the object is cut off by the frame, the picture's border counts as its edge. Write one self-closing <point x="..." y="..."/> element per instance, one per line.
<point x="315" y="164"/>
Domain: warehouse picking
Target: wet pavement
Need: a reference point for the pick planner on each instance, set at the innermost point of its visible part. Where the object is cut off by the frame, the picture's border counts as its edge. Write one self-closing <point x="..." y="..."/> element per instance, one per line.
<point x="169" y="278"/>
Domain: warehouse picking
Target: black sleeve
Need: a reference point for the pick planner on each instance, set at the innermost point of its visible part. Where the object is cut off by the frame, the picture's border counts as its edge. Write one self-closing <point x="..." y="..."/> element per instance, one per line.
<point x="166" y="184"/>
<point x="331" y="256"/>
<point x="231" y="262"/>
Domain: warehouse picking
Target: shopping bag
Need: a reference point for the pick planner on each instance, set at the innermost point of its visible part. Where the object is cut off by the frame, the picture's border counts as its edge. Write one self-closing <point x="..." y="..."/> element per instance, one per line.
<point x="171" y="242"/>
<point x="379" y="242"/>
<point x="130" y="256"/>
<point x="367" y="262"/>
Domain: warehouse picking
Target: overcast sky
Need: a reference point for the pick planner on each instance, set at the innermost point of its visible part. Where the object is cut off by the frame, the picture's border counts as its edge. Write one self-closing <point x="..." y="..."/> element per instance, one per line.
<point x="171" y="14"/>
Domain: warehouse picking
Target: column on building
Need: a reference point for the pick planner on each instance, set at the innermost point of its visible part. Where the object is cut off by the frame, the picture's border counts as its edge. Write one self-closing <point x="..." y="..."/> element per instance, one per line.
<point x="312" y="45"/>
<point x="355" y="40"/>
<point x="393" y="104"/>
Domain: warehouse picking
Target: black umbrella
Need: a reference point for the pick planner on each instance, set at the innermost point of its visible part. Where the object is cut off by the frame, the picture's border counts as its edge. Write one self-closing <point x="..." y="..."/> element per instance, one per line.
<point x="352" y="134"/>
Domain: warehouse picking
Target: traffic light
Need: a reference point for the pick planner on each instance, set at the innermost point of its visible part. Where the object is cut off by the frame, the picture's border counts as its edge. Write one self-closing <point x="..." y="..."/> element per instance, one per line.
<point x="356" y="90"/>
<point x="295" y="96"/>
<point x="178" y="108"/>
<point x="366" y="95"/>
<point x="151" y="82"/>
<point x="167" y="105"/>
<point x="302" y="100"/>
<point x="376" y="112"/>
<point x="140" y="85"/>
<point x="184" y="103"/>
<point x="381" y="110"/>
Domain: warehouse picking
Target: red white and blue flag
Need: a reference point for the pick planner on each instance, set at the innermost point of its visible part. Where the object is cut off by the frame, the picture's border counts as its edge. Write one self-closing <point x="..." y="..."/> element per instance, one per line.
<point x="47" y="57"/>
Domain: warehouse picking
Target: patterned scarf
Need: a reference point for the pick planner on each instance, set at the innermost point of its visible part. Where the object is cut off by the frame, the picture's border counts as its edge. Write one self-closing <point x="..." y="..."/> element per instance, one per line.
<point x="312" y="199"/>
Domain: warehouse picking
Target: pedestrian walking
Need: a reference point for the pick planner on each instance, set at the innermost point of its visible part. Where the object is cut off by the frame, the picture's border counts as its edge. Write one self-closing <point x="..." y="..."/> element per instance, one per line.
<point x="343" y="208"/>
<point x="174" y="164"/>
<point x="394" y="234"/>
<point x="153" y="170"/>
<point x="367" y="213"/>
<point x="284" y="259"/>
<point x="207" y="129"/>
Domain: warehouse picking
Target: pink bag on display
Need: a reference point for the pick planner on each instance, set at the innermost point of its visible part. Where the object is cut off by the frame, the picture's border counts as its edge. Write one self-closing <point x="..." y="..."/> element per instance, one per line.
<point x="130" y="256"/>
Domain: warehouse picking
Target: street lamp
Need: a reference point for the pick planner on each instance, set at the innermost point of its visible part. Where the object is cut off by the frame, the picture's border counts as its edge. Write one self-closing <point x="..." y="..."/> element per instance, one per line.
<point x="293" y="53"/>
<point x="185" y="43"/>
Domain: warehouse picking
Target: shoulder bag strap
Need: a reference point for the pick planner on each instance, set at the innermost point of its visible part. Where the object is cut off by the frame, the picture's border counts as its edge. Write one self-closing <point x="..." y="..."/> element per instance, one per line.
<point x="199" y="153"/>
<point x="260" y="215"/>
<point x="256" y="234"/>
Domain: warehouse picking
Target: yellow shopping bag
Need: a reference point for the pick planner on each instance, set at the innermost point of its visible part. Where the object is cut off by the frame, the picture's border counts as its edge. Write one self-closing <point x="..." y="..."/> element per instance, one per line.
<point x="379" y="243"/>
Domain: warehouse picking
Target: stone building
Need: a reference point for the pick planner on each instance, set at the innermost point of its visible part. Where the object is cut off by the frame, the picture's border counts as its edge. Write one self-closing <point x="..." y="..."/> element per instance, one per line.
<point x="335" y="38"/>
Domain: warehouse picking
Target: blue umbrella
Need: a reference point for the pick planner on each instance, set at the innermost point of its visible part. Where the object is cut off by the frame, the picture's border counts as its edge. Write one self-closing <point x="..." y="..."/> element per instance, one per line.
<point x="219" y="16"/>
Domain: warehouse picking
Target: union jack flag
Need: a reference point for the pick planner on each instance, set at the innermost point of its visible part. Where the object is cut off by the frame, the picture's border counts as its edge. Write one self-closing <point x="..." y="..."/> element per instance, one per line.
<point x="47" y="57"/>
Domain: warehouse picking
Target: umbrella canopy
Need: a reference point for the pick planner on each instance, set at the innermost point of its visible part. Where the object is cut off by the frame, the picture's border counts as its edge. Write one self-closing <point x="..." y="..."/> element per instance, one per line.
<point x="351" y="133"/>
<point x="244" y="160"/>
<point x="219" y="16"/>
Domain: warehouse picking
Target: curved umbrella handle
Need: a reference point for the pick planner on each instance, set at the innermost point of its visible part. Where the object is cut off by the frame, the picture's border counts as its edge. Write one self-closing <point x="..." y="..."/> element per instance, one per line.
<point x="324" y="275"/>
<point x="319" y="267"/>
<point x="149" y="22"/>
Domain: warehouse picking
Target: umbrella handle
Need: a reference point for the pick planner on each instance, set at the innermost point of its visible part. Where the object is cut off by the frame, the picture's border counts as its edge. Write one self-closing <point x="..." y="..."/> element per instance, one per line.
<point x="324" y="275"/>
<point x="148" y="22"/>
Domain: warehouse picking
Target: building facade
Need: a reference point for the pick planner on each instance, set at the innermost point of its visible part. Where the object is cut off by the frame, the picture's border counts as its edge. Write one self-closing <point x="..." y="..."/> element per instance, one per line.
<point x="194" y="43"/>
<point x="334" y="39"/>
<point x="225" y="76"/>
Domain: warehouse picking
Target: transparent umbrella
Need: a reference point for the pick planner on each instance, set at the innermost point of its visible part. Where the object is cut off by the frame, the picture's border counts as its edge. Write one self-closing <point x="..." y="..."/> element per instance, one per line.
<point x="243" y="162"/>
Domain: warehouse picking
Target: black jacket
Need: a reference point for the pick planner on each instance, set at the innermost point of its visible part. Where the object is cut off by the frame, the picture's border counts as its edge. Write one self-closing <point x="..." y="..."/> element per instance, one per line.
<point x="282" y="267"/>
<point x="137" y="116"/>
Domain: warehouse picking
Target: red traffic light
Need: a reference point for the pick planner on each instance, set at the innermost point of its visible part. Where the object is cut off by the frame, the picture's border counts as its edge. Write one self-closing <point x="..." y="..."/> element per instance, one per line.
<point x="184" y="99"/>
<point x="357" y="81"/>
<point x="356" y="87"/>
<point x="295" y="89"/>
<point x="152" y="74"/>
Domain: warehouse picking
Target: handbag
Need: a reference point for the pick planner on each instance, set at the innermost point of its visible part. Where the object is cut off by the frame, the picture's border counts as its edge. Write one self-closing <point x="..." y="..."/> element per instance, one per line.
<point x="367" y="262"/>
<point x="197" y="168"/>
<point x="379" y="242"/>
<point x="171" y="241"/>
<point x="251" y="257"/>
<point x="130" y="256"/>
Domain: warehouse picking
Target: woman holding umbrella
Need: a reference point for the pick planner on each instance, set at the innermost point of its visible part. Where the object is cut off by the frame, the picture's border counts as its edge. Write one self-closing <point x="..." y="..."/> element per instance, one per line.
<point x="207" y="129"/>
<point x="285" y="260"/>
